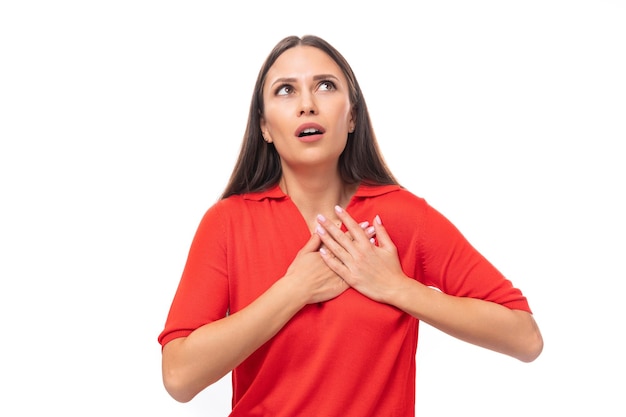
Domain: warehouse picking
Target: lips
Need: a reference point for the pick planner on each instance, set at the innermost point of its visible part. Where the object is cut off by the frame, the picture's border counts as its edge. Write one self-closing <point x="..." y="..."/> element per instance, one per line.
<point x="309" y="129"/>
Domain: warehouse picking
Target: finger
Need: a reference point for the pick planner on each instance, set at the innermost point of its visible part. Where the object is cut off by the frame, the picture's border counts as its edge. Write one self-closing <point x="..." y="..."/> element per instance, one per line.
<point x="333" y="237"/>
<point x="381" y="233"/>
<point x="333" y="262"/>
<point x="356" y="231"/>
<point x="370" y="231"/>
<point x="334" y="241"/>
<point x="313" y="244"/>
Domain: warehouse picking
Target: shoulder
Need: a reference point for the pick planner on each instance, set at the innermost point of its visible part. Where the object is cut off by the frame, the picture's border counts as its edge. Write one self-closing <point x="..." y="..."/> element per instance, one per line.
<point x="393" y="195"/>
<point x="238" y="202"/>
<point x="222" y="212"/>
<point x="225" y="206"/>
<point x="241" y="210"/>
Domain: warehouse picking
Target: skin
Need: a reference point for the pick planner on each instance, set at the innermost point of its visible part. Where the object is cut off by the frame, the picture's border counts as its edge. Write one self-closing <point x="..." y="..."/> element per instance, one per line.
<point x="297" y="91"/>
<point x="306" y="86"/>
<point x="375" y="272"/>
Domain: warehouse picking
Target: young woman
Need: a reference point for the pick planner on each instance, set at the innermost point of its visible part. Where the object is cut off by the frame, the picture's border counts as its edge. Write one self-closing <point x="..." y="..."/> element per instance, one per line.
<point x="309" y="277"/>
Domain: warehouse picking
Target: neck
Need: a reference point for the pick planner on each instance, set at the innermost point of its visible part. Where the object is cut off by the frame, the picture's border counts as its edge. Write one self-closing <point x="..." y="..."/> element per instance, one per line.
<point x="317" y="194"/>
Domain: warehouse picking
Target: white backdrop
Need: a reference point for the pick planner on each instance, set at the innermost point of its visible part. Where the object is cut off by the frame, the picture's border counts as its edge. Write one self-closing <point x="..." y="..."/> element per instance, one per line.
<point x="120" y="122"/>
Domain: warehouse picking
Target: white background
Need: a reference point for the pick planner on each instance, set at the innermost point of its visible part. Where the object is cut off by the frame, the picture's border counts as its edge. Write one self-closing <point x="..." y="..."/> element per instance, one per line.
<point x="120" y="122"/>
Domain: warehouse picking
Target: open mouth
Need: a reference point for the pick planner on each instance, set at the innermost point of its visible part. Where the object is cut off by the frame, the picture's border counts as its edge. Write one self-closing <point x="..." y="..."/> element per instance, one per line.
<point x="309" y="132"/>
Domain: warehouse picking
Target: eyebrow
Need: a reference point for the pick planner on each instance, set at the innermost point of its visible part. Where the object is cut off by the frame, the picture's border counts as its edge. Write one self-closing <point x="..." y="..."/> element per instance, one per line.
<point x="318" y="77"/>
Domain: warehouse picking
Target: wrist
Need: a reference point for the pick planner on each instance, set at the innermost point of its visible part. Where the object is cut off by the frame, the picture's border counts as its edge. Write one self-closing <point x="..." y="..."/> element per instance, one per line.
<point x="293" y="295"/>
<point x="403" y="294"/>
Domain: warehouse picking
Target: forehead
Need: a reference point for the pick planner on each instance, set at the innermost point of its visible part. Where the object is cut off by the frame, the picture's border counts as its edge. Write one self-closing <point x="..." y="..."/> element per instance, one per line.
<point x="301" y="62"/>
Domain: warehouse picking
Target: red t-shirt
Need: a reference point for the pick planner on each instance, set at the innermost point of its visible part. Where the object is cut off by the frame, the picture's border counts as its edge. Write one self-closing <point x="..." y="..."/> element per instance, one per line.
<point x="347" y="357"/>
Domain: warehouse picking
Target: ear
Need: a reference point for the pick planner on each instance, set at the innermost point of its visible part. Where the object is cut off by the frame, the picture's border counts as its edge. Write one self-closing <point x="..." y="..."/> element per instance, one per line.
<point x="352" y="120"/>
<point x="263" y="126"/>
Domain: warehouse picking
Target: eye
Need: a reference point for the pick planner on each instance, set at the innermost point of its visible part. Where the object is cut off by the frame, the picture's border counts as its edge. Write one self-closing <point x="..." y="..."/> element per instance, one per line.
<point x="284" y="90"/>
<point x="327" y="85"/>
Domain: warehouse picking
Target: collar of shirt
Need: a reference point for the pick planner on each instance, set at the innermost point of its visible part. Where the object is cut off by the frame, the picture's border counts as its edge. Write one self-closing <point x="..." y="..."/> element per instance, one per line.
<point x="364" y="190"/>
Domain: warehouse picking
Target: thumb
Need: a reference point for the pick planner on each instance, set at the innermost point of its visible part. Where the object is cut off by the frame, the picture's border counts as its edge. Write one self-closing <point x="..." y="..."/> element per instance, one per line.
<point x="384" y="241"/>
<point x="313" y="244"/>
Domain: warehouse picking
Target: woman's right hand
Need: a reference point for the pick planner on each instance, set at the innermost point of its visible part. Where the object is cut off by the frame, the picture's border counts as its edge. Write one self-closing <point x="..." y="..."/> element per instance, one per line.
<point x="312" y="275"/>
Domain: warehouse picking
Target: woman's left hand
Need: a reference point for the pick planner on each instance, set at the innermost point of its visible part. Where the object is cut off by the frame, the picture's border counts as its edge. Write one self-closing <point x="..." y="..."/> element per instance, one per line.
<point x="373" y="270"/>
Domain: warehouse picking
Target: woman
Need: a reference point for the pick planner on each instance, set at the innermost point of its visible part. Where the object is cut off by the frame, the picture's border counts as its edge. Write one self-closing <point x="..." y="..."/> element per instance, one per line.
<point x="309" y="277"/>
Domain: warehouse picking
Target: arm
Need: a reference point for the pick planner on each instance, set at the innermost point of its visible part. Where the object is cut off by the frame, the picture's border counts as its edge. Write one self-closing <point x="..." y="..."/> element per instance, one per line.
<point x="483" y="323"/>
<point x="375" y="271"/>
<point x="190" y="364"/>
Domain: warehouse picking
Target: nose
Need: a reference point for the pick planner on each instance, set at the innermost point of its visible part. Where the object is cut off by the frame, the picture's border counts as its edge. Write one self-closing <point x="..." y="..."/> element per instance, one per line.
<point x="307" y="104"/>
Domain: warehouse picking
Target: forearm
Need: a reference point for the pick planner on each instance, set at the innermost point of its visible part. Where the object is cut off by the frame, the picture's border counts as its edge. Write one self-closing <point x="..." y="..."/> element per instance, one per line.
<point x="192" y="363"/>
<point x="483" y="323"/>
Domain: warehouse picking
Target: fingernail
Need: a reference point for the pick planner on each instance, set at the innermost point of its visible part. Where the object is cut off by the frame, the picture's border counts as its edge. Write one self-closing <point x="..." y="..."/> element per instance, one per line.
<point x="377" y="219"/>
<point x="323" y="251"/>
<point x="321" y="218"/>
<point x="364" y="225"/>
<point x="370" y="230"/>
<point x="320" y="230"/>
<point x="338" y="209"/>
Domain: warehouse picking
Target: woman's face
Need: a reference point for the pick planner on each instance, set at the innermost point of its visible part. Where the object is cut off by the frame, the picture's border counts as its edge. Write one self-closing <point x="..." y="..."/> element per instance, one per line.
<point x="307" y="109"/>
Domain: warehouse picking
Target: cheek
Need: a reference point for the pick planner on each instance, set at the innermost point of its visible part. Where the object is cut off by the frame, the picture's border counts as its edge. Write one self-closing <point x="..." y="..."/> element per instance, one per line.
<point x="348" y="117"/>
<point x="272" y="117"/>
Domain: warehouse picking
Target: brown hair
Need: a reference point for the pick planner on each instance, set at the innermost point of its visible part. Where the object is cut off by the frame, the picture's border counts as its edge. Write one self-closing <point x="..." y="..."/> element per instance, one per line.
<point x="258" y="165"/>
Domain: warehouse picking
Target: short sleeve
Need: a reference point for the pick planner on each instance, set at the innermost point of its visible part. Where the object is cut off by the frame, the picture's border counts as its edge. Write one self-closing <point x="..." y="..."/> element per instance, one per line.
<point x="202" y="293"/>
<point x="455" y="267"/>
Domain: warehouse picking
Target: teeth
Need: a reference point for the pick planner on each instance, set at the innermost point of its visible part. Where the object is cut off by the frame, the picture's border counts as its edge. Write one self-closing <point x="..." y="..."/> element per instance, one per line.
<point x="310" y="130"/>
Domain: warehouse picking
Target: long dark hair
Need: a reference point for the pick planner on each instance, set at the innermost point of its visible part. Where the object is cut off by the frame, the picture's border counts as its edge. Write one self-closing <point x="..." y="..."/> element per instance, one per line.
<point x="258" y="165"/>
